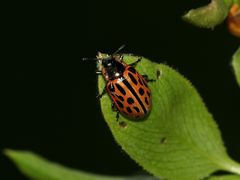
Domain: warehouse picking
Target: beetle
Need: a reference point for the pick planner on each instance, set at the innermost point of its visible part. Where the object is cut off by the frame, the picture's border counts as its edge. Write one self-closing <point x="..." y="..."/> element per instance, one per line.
<point x="127" y="88"/>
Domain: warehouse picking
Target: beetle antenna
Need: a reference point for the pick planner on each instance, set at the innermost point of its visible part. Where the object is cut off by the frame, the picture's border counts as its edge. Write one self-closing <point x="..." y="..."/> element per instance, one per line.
<point x="119" y="49"/>
<point x="95" y="59"/>
<point x="89" y="59"/>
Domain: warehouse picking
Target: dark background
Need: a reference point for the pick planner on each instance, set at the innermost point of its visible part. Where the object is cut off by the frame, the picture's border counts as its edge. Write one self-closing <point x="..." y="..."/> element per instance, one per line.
<point x="50" y="103"/>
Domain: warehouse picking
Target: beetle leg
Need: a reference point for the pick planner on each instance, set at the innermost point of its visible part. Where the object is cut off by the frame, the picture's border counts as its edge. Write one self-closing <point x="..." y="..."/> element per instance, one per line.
<point x="114" y="107"/>
<point x="147" y="79"/>
<point x="100" y="95"/>
<point x="117" y="115"/>
<point x="98" y="72"/>
<point x="121" y="57"/>
<point x="136" y="62"/>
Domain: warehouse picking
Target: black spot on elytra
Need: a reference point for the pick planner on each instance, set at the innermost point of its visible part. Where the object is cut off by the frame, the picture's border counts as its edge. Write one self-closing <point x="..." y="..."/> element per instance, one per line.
<point x="111" y="88"/>
<point x="146" y="101"/>
<point x="141" y="91"/>
<point x="121" y="89"/>
<point x="130" y="100"/>
<point x="132" y="78"/>
<point x="119" y="103"/>
<point x="120" y="97"/>
<point x="136" y="109"/>
<point x="148" y="93"/>
<point x="129" y="110"/>
<point x="132" y="70"/>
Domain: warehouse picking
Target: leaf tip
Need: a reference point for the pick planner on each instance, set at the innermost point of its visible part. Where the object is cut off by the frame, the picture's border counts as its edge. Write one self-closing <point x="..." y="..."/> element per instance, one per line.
<point x="207" y="16"/>
<point x="8" y="152"/>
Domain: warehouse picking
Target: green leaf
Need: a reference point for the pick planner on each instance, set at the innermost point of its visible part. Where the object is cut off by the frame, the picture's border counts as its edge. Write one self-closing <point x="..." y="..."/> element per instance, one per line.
<point x="236" y="1"/>
<point x="236" y="65"/>
<point x="210" y="15"/>
<point x="179" y="139"/>
<point x="38" y="168"/>
<point x="226" y="177"/>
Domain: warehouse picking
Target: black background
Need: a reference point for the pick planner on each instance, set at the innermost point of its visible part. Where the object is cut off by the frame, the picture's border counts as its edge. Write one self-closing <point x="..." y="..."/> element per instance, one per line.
<point x="50" y="105"/>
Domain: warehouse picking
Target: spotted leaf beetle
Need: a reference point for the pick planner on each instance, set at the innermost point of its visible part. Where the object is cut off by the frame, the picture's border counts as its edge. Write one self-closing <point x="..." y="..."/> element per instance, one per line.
<point x="128" y="90"/>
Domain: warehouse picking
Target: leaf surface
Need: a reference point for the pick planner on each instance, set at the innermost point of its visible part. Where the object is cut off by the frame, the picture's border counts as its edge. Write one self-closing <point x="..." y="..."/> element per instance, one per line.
<point x="179" y="140"/>
<point x="38" y="168"/>
<point x="210" y="15"/>
<point x="236" y="65"/>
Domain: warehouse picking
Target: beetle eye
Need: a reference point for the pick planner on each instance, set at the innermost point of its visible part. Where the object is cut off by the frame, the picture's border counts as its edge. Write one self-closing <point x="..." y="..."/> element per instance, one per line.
<point x="107" y="62"/>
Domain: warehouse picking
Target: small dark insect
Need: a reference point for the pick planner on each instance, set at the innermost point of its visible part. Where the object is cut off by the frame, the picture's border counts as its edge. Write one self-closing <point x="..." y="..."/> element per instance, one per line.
<point x="163" y="140"/>
<point x="123" y="124"/>
<point x="158" y="74"/>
